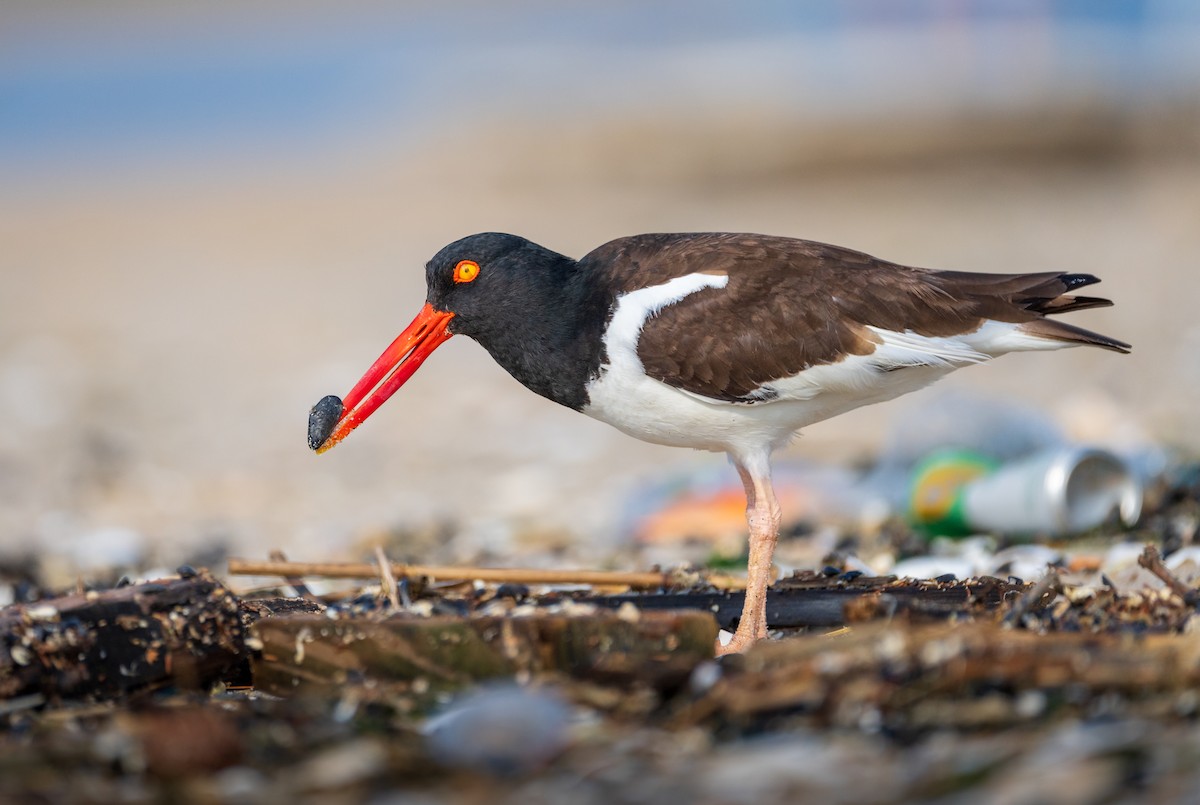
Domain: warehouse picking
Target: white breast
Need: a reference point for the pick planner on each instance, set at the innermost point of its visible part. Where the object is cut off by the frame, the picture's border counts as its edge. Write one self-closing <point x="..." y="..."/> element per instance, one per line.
<point x="623" y="396"/>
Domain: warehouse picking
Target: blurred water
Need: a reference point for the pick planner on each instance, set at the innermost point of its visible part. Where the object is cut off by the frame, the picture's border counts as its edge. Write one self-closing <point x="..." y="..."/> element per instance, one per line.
<point x="89" y="89"/>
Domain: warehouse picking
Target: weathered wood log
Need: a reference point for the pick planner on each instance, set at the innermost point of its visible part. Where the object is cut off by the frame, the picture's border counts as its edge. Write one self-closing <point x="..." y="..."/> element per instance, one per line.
<point x="315" y="653"/>
<point x="181" y="631"/>
<point x="940" y="675"/>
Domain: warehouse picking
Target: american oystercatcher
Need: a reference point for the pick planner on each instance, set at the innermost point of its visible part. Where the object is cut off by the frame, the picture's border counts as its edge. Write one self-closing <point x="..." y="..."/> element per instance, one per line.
<point x="723" y="342"/>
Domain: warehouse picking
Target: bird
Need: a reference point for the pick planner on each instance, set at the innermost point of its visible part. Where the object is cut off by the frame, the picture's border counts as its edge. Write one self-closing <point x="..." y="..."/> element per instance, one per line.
<point x="726" y="342"/>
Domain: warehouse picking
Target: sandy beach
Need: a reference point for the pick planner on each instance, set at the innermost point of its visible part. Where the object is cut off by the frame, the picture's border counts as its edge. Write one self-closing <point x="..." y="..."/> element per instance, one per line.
<point x="163" y="332"/>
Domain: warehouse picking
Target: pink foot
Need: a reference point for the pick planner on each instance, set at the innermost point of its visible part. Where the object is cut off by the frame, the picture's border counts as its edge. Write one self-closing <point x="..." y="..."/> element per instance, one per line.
<point x="740" y="642"/>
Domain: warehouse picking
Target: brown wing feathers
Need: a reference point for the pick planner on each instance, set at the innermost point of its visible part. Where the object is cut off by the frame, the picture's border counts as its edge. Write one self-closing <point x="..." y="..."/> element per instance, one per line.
<point x="1028" y="298"/>
<point x="790" y="304"/>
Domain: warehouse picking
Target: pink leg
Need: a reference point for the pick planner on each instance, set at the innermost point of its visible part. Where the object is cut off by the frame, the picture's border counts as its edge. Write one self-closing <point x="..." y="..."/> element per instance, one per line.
<point x="764" y="516"/>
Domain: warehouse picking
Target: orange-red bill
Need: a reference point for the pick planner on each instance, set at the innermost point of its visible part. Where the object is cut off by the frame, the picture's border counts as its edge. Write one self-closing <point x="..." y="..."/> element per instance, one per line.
<point x="393" y="368"/>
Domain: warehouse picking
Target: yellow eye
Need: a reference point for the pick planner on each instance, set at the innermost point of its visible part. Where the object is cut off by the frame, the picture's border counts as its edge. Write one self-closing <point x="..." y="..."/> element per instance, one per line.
<point x="466" y="271"/>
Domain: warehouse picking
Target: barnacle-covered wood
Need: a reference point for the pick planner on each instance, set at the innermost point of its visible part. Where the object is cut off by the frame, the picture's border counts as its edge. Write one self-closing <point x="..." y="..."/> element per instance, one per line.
<point x="655" y="648"/>
<point x="255" y="609"/>
<point x="183" y="631"/>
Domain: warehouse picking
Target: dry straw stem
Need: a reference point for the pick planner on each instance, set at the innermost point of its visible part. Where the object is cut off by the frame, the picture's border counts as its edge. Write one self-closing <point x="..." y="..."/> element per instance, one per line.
<point x="363" y="570"/>
<point x="388" y="578"/>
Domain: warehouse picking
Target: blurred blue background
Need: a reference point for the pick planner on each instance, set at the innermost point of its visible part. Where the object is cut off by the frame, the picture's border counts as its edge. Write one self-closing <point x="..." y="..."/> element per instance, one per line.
<point x="89" y="88"/>
<point x="214" y="215"/>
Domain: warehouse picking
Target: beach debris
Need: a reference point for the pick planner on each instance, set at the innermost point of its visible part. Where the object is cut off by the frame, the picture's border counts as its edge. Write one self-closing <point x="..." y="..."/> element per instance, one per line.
<point x="709" y="507"/>
<point x="1054" y="492"/>
<point x="186" y="632"/>
<point x="487" y="686"/>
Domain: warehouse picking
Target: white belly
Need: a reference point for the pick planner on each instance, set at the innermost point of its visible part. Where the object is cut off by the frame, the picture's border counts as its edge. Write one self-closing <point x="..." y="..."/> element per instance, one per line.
<point x="655" y="412"/>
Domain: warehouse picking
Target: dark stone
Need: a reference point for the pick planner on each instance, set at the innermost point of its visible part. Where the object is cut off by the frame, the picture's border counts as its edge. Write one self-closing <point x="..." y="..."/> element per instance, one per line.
<point x="517" y="592"/>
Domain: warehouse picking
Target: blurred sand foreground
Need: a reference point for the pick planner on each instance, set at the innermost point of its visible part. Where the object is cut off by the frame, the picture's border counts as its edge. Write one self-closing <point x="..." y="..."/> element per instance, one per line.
<point x="161" y="340"/>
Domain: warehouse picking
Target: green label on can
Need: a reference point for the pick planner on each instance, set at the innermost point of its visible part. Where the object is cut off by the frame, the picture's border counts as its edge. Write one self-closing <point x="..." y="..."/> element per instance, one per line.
<point x="935" y="502"/>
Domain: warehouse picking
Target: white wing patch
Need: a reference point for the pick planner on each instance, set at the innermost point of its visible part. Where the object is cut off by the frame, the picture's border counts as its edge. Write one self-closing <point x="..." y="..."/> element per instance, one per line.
<point x="634" y="308"/>
<point x="998" y="337"/>
<point x="922" y="360"/>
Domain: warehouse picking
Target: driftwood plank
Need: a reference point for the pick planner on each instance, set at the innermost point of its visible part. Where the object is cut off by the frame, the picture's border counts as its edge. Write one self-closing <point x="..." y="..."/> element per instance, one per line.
<point x="181" y="631"/>
<point x="307" y="652"/>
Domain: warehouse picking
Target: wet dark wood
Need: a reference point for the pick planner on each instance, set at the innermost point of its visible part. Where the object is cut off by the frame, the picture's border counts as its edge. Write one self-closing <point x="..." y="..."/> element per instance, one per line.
<point x="813" y="600"/>
<point x="185" y="632"/>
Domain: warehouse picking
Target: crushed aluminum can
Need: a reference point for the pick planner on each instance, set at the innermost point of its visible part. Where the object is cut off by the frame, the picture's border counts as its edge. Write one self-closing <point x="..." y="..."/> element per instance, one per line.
<point x="1056" y="493"/>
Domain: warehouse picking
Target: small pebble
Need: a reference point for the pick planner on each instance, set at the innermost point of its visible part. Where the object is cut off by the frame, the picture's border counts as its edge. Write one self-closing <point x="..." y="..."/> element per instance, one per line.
<point x="45" y="612"/>
<point x="343" y="765"/>
<point x="501" y="729"/>
<point x="322" y="419"/>
<point x="517" y="592"/>
<point x="629" y="612"/>
<point x="451" y="606"/>
<point x="704" y="676"/>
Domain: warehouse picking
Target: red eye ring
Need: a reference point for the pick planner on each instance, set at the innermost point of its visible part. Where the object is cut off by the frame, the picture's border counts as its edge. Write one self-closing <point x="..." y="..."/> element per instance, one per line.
<point x="466" y="271"/>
